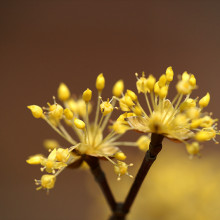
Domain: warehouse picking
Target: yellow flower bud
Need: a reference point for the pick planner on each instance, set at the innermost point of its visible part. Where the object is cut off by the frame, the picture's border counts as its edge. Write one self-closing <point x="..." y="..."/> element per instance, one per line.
<point x="100" y="82"/>
<point x="185" y="76"/>
<point x="163" y="92"/>
<point x="195" y="123"/>
<point x="150" y="82"/>
<point x="120" y="156"/>
<point x="79" y="123"/>
<point x="63" y="92"/>
<point x="203" y="102"/>
<point x="132" y="95"/>
<point x="87" y="95"/>
<point x="123" y="105"/>
<point x="205" y="135"/>
<point x="143" y="143"/>
<point x="137" y="110"/>
<point x="193" y="149"/>
<point x="128" y="101"/>
<point x="68" y="113"/>
<point x="36" y="111"/>
<point x="118" y="88"/>
<point x="169" y="74"/>
<point x="156" y="88"/>
<point x="120" y="127"/>
<point x="106" y="107"/>
<point x="162" y="81"/>
<point x="192" y="80"/>
<point x="189" y="103"/>
<point x="72" y="105"/>
<point x="50" y="144"/>
<point x="48" y="181"/>
<point x="35" y="159"/>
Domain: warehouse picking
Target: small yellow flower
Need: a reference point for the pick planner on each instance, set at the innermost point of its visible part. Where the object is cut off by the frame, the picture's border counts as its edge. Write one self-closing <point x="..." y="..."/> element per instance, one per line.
<point x="106" y="107"/>
<point x="56" y="111"/>
<point x="46" y="182"/>
<point x="121" y="168"/>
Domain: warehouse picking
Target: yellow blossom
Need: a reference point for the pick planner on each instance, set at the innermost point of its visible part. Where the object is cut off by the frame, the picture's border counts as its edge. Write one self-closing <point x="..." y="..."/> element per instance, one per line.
<point x="179" y="119"/>
<point x="106" y="107"/>
<point x="56" y="111"/>
<point x="46" y="182"/>
<point x="132" y="95"/>
<point x="142" y="84"/>
<point x="121" y="168"/>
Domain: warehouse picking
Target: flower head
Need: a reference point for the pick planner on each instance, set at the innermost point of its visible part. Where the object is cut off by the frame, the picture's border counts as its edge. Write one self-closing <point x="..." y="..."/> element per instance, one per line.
<point x="181" y="119"/>
<point x="88" y="138"/>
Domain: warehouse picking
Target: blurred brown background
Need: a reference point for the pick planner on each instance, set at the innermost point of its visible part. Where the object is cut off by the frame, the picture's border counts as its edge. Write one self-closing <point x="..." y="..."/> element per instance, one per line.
<point x="45" y="42"/>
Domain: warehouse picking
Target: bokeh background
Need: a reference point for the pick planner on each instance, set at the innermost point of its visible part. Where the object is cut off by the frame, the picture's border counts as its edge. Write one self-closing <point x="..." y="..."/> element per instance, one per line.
<point x="43" y="43"/>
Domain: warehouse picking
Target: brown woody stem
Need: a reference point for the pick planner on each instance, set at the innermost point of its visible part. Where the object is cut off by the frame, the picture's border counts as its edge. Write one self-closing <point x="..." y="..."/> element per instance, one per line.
<point x="99" y="176"/>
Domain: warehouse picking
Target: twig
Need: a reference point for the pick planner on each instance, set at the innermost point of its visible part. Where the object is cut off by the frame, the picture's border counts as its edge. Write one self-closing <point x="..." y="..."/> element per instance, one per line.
<point x="99" y="176"/>
<point x="123" y="208"/>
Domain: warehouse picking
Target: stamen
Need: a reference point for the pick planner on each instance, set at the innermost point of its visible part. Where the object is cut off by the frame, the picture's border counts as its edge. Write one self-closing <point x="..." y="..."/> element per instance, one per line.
<point x="97" y="108"/>
<point x="148" y="104"/>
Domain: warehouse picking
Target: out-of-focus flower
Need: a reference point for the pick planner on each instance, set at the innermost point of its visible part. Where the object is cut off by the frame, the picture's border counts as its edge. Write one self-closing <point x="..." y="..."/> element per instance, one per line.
<point x="181" y="119"/>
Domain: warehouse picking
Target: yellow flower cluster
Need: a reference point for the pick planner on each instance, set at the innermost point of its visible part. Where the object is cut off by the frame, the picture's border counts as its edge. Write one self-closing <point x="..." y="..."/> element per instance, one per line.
<point x="88" y="136"/>
<point x="181" y="119"/>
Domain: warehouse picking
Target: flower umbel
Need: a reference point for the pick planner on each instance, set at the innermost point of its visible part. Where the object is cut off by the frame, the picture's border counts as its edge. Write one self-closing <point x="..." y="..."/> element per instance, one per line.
<point x="181" y="119"/>
<point x="88" y="136"/>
